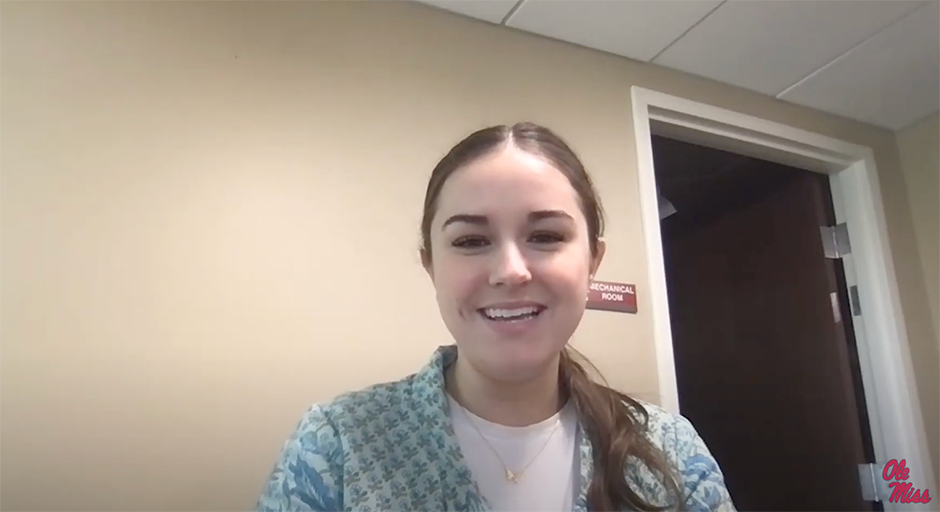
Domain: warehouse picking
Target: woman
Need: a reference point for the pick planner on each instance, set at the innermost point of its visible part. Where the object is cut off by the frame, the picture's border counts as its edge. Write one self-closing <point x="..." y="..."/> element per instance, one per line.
<point x="505" y="419"/>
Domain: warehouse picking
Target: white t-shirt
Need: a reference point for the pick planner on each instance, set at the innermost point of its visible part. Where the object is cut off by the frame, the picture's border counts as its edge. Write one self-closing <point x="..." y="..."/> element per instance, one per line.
<point x="552" y="477"/>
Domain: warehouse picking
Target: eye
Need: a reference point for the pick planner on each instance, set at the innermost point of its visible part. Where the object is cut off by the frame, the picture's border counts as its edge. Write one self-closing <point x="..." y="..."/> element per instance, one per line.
<point x="470" y="242"/>
<point x="547" y="237"/>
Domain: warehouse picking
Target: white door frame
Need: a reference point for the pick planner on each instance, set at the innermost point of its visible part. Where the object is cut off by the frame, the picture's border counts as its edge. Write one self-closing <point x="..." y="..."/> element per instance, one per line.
<point x="890" y="390"/>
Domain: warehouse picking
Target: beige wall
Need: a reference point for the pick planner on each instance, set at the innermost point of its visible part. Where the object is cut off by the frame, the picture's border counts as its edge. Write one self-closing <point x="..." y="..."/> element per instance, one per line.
<point x="919" y="146"/>
<point x="210" y="214"/>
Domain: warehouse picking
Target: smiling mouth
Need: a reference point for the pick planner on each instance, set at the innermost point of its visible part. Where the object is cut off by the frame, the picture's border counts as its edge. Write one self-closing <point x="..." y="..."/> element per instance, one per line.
<point x="511" y="314"/>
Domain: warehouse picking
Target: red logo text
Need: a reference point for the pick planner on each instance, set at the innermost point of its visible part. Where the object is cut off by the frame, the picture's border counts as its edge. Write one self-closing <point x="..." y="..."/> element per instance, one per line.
<point x="902" y="490"/>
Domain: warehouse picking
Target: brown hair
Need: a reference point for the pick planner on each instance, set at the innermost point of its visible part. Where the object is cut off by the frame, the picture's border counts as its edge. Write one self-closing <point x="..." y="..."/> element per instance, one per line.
<point x="614" y="422"/>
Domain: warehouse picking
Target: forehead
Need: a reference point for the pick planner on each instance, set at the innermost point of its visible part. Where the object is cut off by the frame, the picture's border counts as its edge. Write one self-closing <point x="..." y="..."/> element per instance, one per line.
<point x="507" y="182"/>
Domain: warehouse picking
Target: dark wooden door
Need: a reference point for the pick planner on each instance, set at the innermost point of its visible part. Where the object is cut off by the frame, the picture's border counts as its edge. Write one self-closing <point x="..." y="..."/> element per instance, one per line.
<point x="765" y="359"/>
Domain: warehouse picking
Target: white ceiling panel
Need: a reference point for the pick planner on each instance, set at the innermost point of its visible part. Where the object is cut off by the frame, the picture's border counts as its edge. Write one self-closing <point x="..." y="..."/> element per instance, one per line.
<point x="638" y="29"/>
<point x="769" y="45"/>
<point x="891" y="80"/>
<point x="492" y="11"/>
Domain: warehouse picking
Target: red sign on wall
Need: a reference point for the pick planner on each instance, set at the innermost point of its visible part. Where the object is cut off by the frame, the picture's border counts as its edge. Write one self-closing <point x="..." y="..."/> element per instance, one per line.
<point x="607" y="296"/>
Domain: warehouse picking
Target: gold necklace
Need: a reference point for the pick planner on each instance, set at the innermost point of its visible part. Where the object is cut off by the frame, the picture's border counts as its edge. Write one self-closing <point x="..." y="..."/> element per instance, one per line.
<point x="511" y="476"/>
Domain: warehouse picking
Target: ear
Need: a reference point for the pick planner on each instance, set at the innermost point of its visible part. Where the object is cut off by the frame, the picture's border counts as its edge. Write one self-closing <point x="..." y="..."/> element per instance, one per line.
<point x="598" y="257"/>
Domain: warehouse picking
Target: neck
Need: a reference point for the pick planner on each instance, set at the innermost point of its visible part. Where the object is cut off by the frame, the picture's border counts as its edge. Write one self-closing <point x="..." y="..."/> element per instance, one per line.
<point x="511" y="404"/>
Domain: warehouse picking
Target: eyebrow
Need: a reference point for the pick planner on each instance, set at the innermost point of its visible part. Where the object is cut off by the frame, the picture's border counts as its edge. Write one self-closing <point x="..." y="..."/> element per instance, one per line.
<point x="482" y="220"/>
<point x="549" y="214"/>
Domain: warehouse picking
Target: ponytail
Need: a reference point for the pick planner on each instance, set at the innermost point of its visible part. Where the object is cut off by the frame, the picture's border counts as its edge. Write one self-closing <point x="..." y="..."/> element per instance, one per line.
<point x="615" y="425"/>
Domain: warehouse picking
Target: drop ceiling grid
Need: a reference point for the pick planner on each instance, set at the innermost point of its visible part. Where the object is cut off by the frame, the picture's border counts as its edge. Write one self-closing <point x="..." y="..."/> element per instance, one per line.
<point x="891" y="80"/>
<point x="769" y="45"/>
<point x="637" y="29"/>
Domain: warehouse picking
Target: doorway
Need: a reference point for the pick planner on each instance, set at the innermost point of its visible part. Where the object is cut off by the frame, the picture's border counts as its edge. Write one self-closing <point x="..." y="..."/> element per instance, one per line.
<point x="766" y="363"/>
<point x="890" y="393"/>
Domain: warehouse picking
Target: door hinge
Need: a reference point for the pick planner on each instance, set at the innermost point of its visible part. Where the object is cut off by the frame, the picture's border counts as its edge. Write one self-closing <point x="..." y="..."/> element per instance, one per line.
<point x="873" y="486"/>
<point x="835" y="240"/>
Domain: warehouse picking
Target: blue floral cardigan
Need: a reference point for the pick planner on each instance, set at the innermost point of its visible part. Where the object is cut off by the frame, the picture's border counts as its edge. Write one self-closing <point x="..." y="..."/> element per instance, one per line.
<point x="391" y="447"/>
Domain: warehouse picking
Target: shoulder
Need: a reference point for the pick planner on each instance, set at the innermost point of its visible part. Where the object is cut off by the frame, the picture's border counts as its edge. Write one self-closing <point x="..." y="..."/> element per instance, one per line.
<point x="356" y="408"/>
<point x="700" y="476"/>
<point x="308" y="471"/>
<point x="308" y="474"/>
<point x="673" y="433"/>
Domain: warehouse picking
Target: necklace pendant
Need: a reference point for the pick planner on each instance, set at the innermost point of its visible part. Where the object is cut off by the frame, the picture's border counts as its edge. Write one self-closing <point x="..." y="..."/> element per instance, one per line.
<point x="511" y="476"/>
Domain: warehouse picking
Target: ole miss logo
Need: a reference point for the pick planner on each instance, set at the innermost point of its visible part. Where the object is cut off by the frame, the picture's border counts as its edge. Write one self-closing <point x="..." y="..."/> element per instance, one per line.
<point x="902" y="491"/>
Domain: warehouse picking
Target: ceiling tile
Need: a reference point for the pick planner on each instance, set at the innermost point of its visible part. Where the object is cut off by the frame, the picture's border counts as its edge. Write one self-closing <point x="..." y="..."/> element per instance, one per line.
<point x="891" y="80"/>
<point x="638" y="29"/>
<point x="492" y="11"/>
<point x="769" y="45"/>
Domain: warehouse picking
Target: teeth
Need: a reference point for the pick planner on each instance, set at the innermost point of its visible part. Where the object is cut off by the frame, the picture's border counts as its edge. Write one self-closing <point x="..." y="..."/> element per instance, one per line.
<point x="509" y="314"/>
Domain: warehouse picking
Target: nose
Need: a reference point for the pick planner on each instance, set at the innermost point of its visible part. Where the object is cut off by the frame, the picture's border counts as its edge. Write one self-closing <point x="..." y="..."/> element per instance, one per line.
<point x="510" y="268"/>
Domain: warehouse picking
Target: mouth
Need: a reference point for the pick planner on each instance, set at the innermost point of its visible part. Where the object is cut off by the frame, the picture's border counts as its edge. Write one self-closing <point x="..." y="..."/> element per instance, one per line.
<point x="512" y="314"/>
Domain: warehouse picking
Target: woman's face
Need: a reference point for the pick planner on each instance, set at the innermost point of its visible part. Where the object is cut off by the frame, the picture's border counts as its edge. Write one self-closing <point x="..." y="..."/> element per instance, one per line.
<point x="511" y="263"/>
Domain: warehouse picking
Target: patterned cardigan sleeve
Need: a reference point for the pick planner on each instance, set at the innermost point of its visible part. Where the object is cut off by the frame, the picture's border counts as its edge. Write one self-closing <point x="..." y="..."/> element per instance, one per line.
<point x="702" y="480"/>
<point x="308" y="473"/>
